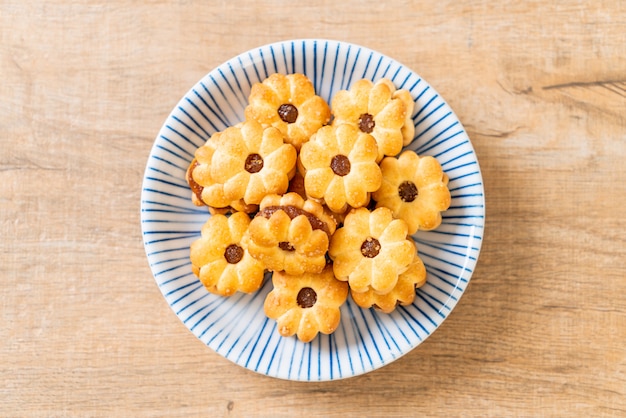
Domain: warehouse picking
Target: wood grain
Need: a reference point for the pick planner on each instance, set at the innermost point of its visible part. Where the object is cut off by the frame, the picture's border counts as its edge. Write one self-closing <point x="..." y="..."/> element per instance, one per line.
<point x="540" y="88"/>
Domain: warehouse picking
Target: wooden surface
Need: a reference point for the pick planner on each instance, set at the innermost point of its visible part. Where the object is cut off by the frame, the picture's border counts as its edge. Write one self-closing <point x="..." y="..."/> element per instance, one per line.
<point x="541" y="90"/>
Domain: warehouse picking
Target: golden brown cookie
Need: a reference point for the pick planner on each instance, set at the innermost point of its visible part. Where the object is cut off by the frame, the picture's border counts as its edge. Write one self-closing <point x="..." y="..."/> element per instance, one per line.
<point x="241" y="165"/>
<point x="371" y="250"/>
<point x="378" y="109"/>
<point x="296" y="185"/>
<point x="403" y="293"/>
<point x="203" y="187"/>
<point x="289" y="103"/>
<point x="408" y="129"/>
<point x="290" y="234"/>
<point x="221" y="260"/>
<point x="415" y="189"/>
<point x="236" y="206"/>
<point x="306" y="304"/>
<point x="196" y="196"/>
<point x="340" y="167"/>
<point x="241" y="206"/>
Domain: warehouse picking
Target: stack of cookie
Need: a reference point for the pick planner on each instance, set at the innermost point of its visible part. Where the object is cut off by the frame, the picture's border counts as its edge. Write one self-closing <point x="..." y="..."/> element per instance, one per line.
<point x="329" y="208"/>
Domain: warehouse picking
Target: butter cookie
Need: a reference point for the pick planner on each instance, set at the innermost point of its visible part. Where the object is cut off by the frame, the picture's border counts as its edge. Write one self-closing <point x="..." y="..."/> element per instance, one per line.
<point x="289" y="103"/>
<point x="307" y="304"/>
<point x="290" y="234"/>
<point x="221" y="261"/>
<point x="378" y="109"/>
<point x="340" y="167"/>
<point x="403" y="293"/>
<point x="241" y="165"/>
<point x="371" y="250"/>
<point x="415" y="189"/>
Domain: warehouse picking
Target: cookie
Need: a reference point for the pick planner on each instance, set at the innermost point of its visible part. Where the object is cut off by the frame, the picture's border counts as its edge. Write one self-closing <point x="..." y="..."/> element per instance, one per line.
<point x="296" y="185"/>
<point x="307" y="304"/>
<point x="378" y="109"/>
<point x="289" y="103"/>
<point x="340" y="167"/>
<point x="408" y="129"/>
<point x="290" y="234"/>
<point x="242" y="164"/>
<point x="204" y="189"/>
<point x="415" y="189"/>
<point x="371" y="250"/>
<point x="221" y="261"/>
<point x="236" y="206"/>
<point x="403" y="293"/>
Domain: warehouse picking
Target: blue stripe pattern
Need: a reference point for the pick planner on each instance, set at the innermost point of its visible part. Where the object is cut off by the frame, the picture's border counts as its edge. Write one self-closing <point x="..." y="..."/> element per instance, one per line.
<point x="236" y="327"/>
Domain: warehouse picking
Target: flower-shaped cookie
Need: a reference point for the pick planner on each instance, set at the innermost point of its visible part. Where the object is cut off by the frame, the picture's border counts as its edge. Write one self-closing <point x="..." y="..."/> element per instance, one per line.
<point x="221" y="260"/>
<point x="377" y="109"/>
<point x="289" y="103"/>
<point x="290" y="234"/>
<point x="340" y="167"/>
<point x="296" y="185"/>
<point x="244" y="162"/>
<point x="371" y="250"/>
<point x="236" y="206"/>
<point x="415" y="189"/>
<point x="306" y="304"/>
<point x="198" y="176"/>
<point x="408" y="129"/>
<point x="403" y="293"/>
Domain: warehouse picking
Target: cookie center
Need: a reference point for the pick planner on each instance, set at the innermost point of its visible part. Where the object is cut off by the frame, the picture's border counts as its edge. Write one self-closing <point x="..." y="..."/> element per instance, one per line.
<point x="254" y="163"/>
<point x="366" y="123"/>
<point x="286" y="246"/>
<point x="233" y="254"/>
<point x="306" y="297"/>
<point x="340" y="164"/>
<point x="407" y="191"/>
<point x="288" y="113"/>
<point x="370" y="247"/>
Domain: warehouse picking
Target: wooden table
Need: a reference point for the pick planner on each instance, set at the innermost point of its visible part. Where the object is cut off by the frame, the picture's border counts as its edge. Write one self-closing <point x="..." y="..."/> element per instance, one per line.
<point x="541" y="90"/>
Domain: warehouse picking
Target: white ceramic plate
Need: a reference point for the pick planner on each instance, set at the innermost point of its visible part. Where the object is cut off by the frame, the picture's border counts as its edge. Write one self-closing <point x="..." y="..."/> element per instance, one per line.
<point x="236" y="327"/>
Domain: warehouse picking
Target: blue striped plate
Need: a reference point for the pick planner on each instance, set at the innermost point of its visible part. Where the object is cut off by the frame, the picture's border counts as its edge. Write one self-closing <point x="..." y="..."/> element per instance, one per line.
<point x="236" y="327"/>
